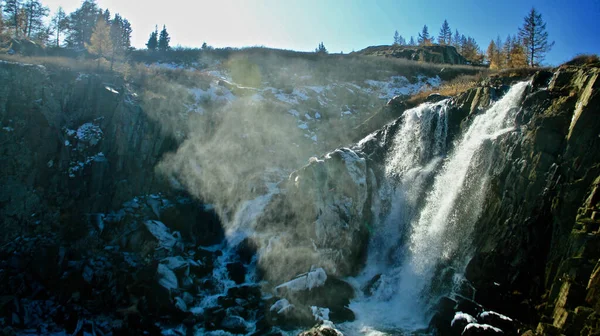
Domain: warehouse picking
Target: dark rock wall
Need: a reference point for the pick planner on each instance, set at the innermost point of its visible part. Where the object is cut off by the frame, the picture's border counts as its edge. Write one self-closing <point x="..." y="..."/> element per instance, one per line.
<point x="48" y="173"/>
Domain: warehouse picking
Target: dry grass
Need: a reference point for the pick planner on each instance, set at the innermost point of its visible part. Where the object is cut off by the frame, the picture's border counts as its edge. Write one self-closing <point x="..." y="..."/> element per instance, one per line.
<point x="585" y="60"/>
<point x="62" y="63"/>
<point x="454" y="87"/>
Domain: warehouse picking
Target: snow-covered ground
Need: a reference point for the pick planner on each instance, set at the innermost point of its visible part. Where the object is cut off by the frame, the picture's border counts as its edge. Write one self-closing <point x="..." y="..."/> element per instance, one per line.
<point x="308" y="105"/>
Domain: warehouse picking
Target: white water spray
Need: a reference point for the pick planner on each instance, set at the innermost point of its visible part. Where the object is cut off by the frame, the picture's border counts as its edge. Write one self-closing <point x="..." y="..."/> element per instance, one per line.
<point x="433" y="207"/>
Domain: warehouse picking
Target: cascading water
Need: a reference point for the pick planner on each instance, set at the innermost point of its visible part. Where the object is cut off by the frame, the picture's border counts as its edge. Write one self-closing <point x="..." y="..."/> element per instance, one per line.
<point x="435" y="202"/>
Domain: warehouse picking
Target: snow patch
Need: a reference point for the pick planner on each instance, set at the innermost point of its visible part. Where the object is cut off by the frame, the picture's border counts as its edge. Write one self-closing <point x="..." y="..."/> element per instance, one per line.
<point x="307" y="281"/>
<point x="460" y="316"/>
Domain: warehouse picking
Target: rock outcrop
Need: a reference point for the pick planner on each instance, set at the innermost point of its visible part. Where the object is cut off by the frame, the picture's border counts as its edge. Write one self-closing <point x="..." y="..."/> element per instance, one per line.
<point x="430" y="54"/>
<point x="536" y="240"/>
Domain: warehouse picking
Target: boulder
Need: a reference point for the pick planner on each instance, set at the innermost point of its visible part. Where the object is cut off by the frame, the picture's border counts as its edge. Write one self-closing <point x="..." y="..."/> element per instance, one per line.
<point x="234" y="325"/>
<point x="475" y="329"/>
<point x="500" y="321"/>
<point x="237" y="272"/>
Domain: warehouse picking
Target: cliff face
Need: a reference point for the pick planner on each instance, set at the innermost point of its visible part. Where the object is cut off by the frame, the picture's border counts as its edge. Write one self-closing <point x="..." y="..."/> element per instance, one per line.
<point x="538" y="233"/>
<point x="71" y="146"/>
<point x="79" y="151"/>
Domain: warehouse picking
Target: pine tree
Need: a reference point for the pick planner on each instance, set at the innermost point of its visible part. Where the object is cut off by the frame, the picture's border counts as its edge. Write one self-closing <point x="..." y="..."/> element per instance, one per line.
<point x="396" y="38"/>
<point x="106" y="16"/>
<point x="82" y="23"/>
<point x="1" y="22"/>
<point x="35" y="13"/>
<point x="12" y="9"/>
<point x="456" y="41"/>
<point x="506" y="52"/>
<point x="470" y="50"/>
<point x="152" y="43"/>
<point x="164" y="39"/>
<point x="321" y="49"/>
<point x="499" y="54"/>
<point x="412" y="41"/>
<point x="100" y="41"/>
<point x="534" y="36"/>
<point x="401" y="40"/>
<point x="424" y="38"/>
<point x="445" y="36"/>
<point x="59" y="24"/>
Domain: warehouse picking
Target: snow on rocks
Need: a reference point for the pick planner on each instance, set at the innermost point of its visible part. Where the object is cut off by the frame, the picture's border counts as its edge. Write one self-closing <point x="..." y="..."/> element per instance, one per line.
<point x="462" y="317"/>
<point x="307" y="281"/>
<point x="162" y="234"/>
<point x="89" y="133"/>
<point x="481" y="329"/>
<point x="281" y="306"/>
<point x="320" y="314"/>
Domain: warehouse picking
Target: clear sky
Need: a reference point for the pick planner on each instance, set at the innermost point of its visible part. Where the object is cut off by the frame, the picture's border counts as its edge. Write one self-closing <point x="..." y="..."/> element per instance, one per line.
<point x="347" y="25"/>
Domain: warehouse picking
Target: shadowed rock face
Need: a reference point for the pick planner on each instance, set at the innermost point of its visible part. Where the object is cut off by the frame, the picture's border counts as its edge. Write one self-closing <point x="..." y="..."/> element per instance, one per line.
<point x="71" y="145"/>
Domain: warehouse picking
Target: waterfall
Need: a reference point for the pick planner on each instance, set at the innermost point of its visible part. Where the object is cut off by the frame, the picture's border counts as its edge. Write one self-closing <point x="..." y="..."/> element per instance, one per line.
<point x="436" y="198"/>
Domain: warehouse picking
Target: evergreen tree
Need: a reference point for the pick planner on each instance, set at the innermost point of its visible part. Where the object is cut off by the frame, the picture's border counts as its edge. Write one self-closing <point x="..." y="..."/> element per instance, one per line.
<point x="456" y="40"/>
<point x="470" y="50"/>
<point x="412" y="41"/>
<point x="424" y="38"/>
<point x="100" y="42"/>
<point x="35" y="13"/>
<point x="164" y="39"/>
<point x="445" y="36"/>
<point x="152" y="43"/>
<point x="534" y="37"/>
<point x="126" y="31"/>
<point x="321" y="49"/>
<point x="106" y="16"/>
<point x="82" y="23"/>
<point x="506" y="52"/>
<point x="12" y="8"/>
<point x="499" y="54"/>
<point x="59" y="24"/>
<point x="120" y="40"/>
<point x="1" y="22"/>
<point x="396" y="38"/>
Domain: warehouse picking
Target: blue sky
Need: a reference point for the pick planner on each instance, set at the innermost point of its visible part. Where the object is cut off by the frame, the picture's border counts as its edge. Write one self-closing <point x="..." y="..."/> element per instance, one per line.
<point x="346" y="25"/>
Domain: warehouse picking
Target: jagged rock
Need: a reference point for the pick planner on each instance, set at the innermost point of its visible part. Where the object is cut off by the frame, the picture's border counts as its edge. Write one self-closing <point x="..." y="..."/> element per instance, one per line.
<point x="237" y="272"/>
<point x="322" y="330"/>
<point x="246" y="250"/>
<point x="500" y="321"/>
<point x="194" y="222"/>
<point x="234" y="324"/>
<point x="433" y="54"/>
<point x="458" y="324"/>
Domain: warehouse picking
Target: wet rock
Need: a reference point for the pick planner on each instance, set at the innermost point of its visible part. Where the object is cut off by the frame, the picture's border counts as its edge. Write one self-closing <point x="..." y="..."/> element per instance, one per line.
<point x="468" y="306"/>
<point x="459" y="322"/>
<point x="237" y="272"/>
<point x="500" y="321"/>
<point x="322" y="330"/>
<point x="234" y="324"/>
<point x="246" y="250"/>
<point x="475" y="329"/>
<point x="196" y="224"/>
<point x="371" y="285"/>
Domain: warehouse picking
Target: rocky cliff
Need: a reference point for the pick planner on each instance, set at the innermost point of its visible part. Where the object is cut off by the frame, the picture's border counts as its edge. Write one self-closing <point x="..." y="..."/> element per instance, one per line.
<point x="94" y="240"/>
<point x="429" y="54"/>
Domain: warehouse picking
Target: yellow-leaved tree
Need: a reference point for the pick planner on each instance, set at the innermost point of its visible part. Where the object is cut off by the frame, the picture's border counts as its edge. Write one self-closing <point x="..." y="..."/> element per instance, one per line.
<point x="100" y="44"/>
